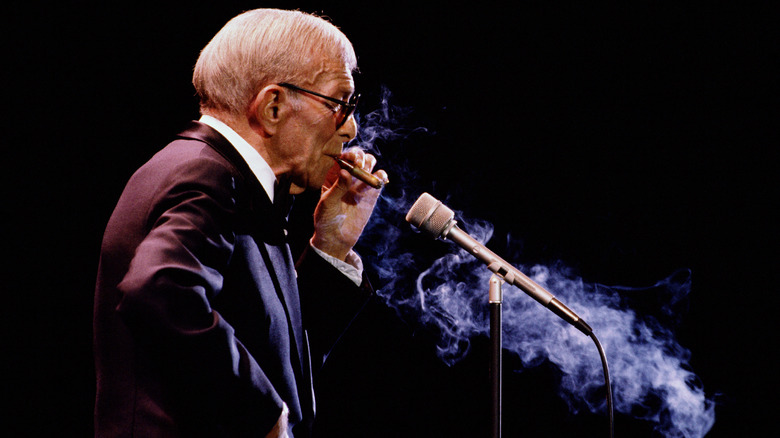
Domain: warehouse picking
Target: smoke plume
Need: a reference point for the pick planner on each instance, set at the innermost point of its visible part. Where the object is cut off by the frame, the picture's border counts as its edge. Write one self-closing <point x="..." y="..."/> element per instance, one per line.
<point x="444" y="288"/>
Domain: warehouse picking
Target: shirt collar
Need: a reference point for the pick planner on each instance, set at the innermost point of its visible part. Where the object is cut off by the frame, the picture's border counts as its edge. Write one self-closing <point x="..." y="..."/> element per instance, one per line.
<point x="254" y="160"/>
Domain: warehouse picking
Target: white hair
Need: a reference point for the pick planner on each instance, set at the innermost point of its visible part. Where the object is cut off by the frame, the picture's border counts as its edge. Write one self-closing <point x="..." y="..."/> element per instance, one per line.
<point x="265" y="46"/>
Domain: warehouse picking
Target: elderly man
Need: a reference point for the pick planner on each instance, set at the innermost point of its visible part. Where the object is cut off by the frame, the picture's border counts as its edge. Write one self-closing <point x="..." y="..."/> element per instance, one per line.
<point x="203" y="325"/>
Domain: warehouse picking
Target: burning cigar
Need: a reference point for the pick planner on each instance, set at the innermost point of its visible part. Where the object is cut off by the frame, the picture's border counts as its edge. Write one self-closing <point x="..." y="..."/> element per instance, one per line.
<point x="360" y="174"/>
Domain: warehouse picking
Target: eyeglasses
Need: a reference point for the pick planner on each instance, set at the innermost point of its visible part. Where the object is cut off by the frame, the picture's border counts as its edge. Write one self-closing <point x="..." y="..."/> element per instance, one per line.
<point x="342" y="111"/>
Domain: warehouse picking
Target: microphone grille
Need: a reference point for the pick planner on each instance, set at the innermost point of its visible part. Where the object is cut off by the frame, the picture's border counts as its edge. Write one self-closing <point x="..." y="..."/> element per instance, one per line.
<point x="430" y="215"/>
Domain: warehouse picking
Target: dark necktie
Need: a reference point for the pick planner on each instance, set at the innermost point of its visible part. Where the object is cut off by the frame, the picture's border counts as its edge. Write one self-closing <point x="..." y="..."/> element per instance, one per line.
<point x="283" y="200"/>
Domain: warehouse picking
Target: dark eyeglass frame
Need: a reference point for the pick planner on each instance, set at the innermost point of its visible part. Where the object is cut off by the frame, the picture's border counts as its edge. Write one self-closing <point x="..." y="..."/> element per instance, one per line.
<point x="345" y="108"/>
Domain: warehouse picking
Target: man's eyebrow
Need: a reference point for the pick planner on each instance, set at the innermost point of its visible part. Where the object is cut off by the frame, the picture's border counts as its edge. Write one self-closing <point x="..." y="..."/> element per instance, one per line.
<point x="346" y="92"/>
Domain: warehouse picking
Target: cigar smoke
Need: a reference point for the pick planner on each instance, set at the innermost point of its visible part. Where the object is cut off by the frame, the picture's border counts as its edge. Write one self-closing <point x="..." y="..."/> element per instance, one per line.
<point x="443" y="288"/>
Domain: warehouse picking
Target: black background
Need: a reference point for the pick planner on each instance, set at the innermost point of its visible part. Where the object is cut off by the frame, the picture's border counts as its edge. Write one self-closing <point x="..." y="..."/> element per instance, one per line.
<point x="628" y="141"/>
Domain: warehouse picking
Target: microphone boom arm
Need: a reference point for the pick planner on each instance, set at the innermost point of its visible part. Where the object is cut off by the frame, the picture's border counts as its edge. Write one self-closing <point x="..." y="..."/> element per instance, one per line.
<point x="513" y="276"/>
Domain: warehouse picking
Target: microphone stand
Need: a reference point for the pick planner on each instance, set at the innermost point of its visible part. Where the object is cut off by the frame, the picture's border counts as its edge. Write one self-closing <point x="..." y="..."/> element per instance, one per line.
<point x="495" y="298"/>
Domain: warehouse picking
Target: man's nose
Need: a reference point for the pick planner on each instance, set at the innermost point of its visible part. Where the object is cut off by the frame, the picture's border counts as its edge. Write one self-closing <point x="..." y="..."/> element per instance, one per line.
<point x="349" y="129"/>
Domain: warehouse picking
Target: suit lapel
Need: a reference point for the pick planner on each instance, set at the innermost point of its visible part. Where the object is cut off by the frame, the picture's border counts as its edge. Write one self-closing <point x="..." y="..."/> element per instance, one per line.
<point x="284" y="269"/>
<point x="274" y="246"/>
<point x="284" y="277"/>
<point x="259" y="203"/>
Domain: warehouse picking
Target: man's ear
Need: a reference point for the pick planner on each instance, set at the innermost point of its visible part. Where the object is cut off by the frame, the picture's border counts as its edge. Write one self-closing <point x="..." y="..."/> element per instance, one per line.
<point x="269" y="107"/>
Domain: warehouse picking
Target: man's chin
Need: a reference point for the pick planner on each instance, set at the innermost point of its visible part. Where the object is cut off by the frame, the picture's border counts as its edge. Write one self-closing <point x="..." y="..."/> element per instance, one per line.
<point x="295" y="189"/>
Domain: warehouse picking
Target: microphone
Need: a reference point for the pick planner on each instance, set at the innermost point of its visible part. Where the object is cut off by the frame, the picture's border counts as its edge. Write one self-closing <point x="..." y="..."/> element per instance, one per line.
<point x="432" y="217"/>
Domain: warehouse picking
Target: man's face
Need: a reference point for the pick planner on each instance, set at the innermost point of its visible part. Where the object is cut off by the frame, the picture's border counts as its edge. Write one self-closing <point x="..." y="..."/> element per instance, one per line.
<point x="311" y="136"/>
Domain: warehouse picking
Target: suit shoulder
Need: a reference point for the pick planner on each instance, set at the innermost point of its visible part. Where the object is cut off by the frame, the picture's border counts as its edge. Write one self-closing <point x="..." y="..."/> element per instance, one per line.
<point x="183" y="160"/>
<point x="186" y="151"/>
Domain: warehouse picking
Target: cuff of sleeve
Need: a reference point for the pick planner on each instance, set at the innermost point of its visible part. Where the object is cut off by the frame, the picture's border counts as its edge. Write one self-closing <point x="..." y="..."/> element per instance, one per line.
<point x="352" y="267"/>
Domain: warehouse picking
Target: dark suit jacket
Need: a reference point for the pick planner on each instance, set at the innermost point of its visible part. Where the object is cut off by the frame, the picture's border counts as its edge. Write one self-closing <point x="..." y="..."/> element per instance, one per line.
<point x="201" y="327"/>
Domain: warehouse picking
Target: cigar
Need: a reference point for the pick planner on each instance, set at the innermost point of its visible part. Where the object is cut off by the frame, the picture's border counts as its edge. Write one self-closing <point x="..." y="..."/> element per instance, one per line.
<point x="360" y="174"/>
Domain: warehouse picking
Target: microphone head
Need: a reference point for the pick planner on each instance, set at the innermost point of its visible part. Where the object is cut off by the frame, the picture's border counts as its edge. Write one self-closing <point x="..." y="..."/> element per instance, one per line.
<point x="430" y="216"/>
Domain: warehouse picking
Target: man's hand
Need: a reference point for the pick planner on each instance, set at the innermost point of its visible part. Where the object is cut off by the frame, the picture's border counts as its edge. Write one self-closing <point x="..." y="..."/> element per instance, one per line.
<point x="280" y="428"/>
<point x="345" y="206"/>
